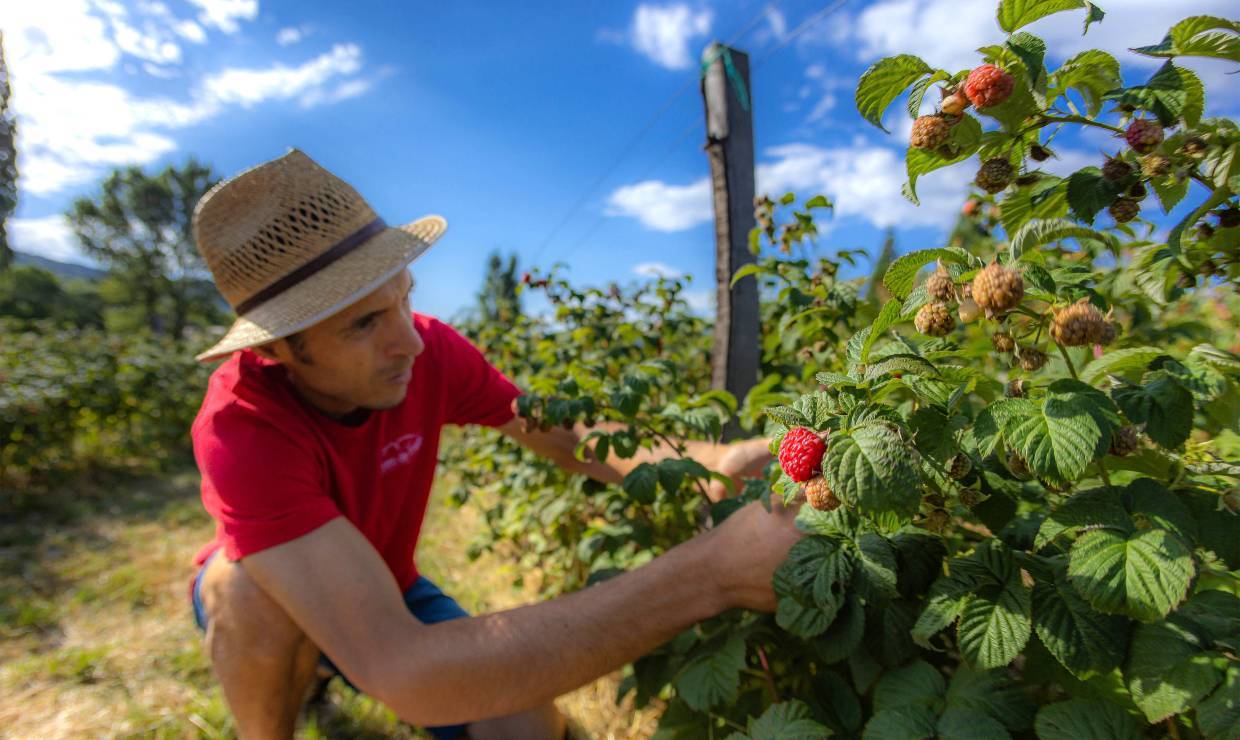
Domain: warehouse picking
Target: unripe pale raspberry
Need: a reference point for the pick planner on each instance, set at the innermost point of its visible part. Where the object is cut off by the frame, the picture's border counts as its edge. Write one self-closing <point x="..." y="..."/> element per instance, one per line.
<point x="1125" y="441"/>
<point x="1155" y="165"/>
<point x="1124" y="210"/>
<point x="1030" y="359"/>
<point x="1014" y="388"/>
<point x="995" y="174"/>
<point x="1109" y="333"/>
<point x="940" y="286"/>
<point x="1016" y="463"/>
<point x="971" y="497"/>
<point x="819" y="494"/>
<point x="998" y="289"/>
<point x="933" y="319"/>
<point x="969" y="310"/>
<point x="954" y="104"/>
<point x="1078" y="325"/>
<point x="1143" y="135"/>
<point x="800" y="453"/>
<point x="988" y="85"/>
<point x="1194" y="147"/>
<point x="929" y="132"/>
<point x="959" y="466"/>
<point x="1003" y="341"/>
<point x="1115" y="169"/>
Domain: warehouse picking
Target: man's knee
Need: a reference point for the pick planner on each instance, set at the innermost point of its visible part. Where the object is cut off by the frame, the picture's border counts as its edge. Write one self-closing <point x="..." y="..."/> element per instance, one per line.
<point x="240" y="612"/>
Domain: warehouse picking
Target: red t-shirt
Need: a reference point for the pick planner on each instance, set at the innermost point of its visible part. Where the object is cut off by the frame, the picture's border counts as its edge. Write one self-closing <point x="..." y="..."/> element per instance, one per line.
<point x="274" y="468"/>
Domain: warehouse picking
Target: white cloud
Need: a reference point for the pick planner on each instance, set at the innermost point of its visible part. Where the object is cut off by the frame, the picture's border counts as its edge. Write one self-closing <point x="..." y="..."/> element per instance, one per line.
<point x="656" y="269"/>
<point x="248" y="87"/>
<point x="224" y="14"/>
<point x="48" y="237"/>
<point x="663" y="207"/>
<point x="76" y="127"/>
<point x="663" y="33"/>
<point x="862" y="180"/>
<point x="777" y="22"/>
<point x="946" y="33"/>
<point x="701" y="302"/>
<point x="288" y="36"/>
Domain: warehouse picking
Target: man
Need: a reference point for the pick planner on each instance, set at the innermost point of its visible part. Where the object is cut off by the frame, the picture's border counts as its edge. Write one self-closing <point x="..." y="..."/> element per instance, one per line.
<point x="317" y="443"/>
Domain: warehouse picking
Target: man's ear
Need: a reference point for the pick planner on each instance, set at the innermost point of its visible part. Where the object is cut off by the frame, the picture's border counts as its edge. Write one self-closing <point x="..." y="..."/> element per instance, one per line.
<point x="268" y="350"/>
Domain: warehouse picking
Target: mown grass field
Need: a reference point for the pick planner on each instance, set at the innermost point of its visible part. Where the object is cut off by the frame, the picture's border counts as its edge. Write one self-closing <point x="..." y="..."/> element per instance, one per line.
<point x="96" y="638"/>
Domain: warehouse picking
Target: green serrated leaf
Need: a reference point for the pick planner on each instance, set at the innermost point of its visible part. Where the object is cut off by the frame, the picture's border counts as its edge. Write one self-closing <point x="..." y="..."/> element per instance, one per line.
<point x="1062" y="434"/>
<point x="790" y="720"/>
<point x="918" y="92"/>
<point x="875" y="567"/>
<point x="1014" y="14"/>
<point x="844" y="635"/>
<point x="887" y="317"/>
<point x="909" y="723"/>
<point x="1198" y="36"/>
<point x="900" y="363"/>
<point x="1122" y="362"/>
<point x="964" y="724"/>
<point x="1094" y="508"/>
<point x="1083" y="640"/>
<point x="1031" y="50"/>
<point x="993" y="694"/>
<point x="642" y="483"/>
<point x="1168" y="670"/>
<point x="871" y="470"/>
<point x="902" y="273"/>
<point x="1044" y="231"/>
<point x="1090" y="192"/>
<point x="1142" y="575"/>
<point x="995" y="624"/>
<point x="1168" y="94"/>
<point x="1219" y="713"/>
<point x="1163" y="404"/>
<point x="917" y="684"/>
<point x="1086" y="719"/>
<point x="1092" y="73"/>
<point x="713" y="677"/>
<point x="884" y="81"/>
<point x="788" y="416"/>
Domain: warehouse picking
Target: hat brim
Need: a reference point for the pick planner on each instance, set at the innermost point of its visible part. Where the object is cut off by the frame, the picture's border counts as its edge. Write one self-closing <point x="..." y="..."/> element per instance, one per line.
<point x="332" y="289"/>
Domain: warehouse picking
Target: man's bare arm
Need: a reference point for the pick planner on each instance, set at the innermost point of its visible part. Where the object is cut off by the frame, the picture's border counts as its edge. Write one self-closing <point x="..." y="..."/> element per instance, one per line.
<point x="736" y="460"/>
<point x="338" y="590"/>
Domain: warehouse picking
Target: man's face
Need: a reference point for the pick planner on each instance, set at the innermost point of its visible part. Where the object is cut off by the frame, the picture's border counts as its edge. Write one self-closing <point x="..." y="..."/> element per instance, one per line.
<point x="358" y="358"/>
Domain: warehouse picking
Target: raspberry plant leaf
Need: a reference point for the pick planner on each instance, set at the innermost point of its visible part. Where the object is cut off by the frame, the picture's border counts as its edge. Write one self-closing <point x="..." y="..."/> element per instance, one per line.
<point x="1083" y="640"/>
<point x="1171" y="93"/>
<point x="1045" y="199"/>
<point x="995" y="623"/>
<point x="869" y="469"/>
<point x="992" y="694"/>
<point x="1039" y="232"/>
<point x="1031" y="50"/>
<point x="1169" y="670"/>
<point x="1142" y="575"/>
<point x="844" y="635"/>
<point x="884" y="81"/>
<point x="907" y="723"/>
<point x="1086" y="719"/>
<point x="963" y="142"/>
<point x="1201" y="35"/>
<point x="917" y="684"/>
<point x="1091" y="73"/>
<point x="1219" y="713"/>
<point x="712" y="678"/>
<point x="1014" y="14"/>
<point x="963" y="724"/>
<point x="1127" y="362"/>
<point x="787" y="721"/>
<point x="1162" y="404"/>
<point x="1090" y="192"/>
<point x="902" y="273"/>
<point x="1060" y="435"/>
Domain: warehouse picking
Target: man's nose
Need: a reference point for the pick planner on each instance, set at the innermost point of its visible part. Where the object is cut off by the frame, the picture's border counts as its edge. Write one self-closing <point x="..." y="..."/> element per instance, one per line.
<point x="408" y="341"/>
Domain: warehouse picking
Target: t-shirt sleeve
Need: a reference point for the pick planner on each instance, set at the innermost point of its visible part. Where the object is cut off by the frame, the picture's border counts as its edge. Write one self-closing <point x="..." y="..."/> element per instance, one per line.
<point x="262" y="486"/>
<point x="477" y="392"/>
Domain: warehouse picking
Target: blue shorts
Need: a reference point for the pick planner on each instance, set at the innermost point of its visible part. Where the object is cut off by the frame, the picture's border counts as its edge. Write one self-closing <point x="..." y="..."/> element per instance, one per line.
<point x="425" y="601"/>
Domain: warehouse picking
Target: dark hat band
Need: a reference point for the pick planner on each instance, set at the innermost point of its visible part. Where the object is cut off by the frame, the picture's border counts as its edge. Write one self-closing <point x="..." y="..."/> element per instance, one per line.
<point x="340" y="249"/>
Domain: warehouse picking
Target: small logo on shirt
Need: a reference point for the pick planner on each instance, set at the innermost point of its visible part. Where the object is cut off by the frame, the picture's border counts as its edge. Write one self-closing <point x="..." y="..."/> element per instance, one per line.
<point x="399" y="451"/>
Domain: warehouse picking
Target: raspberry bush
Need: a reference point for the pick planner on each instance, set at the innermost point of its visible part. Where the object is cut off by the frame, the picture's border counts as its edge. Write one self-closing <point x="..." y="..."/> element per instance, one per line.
<point x="1022" y="520"/>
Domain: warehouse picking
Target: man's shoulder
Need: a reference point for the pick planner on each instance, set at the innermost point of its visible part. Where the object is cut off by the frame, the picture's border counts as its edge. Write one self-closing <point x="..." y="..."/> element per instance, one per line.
<point x="248" y="390"/>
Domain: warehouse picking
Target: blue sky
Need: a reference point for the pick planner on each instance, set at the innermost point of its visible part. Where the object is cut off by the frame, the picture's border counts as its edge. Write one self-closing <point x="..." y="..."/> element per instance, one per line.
<point x="504" y="116"/>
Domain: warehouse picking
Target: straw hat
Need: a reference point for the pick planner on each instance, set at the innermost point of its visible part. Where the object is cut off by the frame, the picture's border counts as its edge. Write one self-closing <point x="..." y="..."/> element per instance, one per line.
<point x="289" y="244"/>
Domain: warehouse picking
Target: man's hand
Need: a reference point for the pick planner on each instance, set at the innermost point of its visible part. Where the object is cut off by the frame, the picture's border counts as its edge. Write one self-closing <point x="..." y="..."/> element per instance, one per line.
<point x="748" y="547"/>
<point x="743" y="459"/>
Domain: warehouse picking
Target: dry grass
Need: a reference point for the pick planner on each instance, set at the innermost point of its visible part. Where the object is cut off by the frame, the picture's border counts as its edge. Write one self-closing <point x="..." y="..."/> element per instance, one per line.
<point x="96" y="638"/>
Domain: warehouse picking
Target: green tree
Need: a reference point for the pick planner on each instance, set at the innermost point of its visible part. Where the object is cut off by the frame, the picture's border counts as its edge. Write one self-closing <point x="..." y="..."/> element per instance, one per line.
<point x="498" y="301"/>
<point x="30" y="293"/>
<point x="141" y="226"/>
<point x="8" y="162"/>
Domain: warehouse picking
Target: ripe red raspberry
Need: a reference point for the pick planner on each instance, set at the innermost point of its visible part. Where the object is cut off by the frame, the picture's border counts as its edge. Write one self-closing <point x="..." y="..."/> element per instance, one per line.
<point x="970" y="207"/>
<point x="995" y="174"/>
<point x="1143" y="135"/>
<point x="988" y="85"/>
<point x="929" y="132"/>
<point x="800" y="453"/>
<point x="819" y="494"/>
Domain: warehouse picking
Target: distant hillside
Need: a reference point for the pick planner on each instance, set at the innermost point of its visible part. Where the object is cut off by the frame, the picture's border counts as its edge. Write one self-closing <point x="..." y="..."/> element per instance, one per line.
<point x="62" y="269"/>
